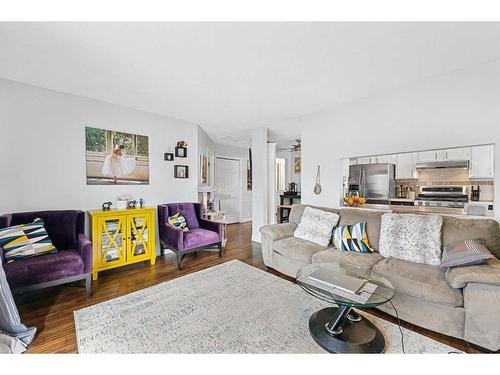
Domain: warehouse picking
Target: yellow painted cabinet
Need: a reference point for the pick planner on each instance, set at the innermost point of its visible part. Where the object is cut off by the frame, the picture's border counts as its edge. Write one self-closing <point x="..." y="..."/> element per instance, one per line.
<point x="121" y="237"/>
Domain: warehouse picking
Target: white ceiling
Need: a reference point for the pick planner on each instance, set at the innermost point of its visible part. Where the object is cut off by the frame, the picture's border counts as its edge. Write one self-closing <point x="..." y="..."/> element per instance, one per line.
<point x="232" y="77"/>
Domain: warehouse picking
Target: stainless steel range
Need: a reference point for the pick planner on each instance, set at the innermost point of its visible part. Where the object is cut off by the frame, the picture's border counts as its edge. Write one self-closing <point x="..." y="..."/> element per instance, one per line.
<point x="442" y="196"/>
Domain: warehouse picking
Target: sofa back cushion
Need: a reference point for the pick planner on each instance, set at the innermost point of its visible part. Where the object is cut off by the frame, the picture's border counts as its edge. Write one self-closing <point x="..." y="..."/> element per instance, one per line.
<point x="416" y="238"/>
<point x="188" y="210"/>
<point x="25" y="241"/>
<point x="455" y="229"/>
<point x="298" y="210"/>
<point x="372" y="218"/>
<point x="63" y="226"/>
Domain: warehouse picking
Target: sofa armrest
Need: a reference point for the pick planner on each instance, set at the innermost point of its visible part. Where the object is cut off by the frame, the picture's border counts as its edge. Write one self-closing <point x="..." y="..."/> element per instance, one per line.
<point x="213" y="226"/>
<point x="488" y="273"/>
<point x="85" y="251"/>
<point x="278" y="231"/>
<point x="172" y="236"/>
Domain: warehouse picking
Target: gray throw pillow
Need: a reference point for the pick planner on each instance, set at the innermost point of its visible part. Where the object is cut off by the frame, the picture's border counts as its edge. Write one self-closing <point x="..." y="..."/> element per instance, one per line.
<point x="465" y="253"/>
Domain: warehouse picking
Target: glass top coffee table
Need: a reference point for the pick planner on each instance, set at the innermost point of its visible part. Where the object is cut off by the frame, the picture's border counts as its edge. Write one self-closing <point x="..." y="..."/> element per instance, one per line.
<point x="340" y="329"/>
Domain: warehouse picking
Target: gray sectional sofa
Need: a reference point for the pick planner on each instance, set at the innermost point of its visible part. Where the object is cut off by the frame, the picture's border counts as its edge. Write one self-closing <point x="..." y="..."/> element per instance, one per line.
<point x="462" y="302"/>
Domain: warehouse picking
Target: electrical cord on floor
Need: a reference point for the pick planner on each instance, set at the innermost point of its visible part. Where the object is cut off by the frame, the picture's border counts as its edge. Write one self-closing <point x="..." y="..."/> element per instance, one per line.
<point x="399" y="326"/>
<point x="399" y="321"/>
<point x="402" y="337"/>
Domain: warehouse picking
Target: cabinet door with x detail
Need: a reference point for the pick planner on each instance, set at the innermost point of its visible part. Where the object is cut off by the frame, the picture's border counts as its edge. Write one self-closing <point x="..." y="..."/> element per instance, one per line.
<point x="139" y="236"/>
<point x="112" y="241"/>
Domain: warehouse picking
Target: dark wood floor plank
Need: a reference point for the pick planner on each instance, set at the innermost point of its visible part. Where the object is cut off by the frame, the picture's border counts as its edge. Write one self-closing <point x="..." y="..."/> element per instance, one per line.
<point x="51" y="310"/>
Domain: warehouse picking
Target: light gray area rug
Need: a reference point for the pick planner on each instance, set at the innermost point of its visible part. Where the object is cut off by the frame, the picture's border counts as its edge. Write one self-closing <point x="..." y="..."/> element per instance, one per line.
<point x="229" y="308"/>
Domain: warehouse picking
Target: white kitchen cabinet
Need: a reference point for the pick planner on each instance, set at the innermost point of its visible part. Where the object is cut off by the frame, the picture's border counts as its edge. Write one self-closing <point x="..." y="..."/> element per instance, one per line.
<point x="391" y="159"/>
<point x="424" y="156"/>
<point x="365" y="160"/>
<point x="461" y="153"/>
<point x="405" y="166"/>
<point x="482" y="162"/>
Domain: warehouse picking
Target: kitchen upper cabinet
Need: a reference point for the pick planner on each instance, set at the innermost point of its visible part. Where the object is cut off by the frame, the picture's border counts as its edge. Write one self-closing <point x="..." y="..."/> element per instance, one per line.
<point x="405" y="166"/>
<point x="424" y="156"/>
<point x="462" y="153"/>
<point x="375" y="159"/>
<point x="365" y="160"/>
<point x="482" y="162"/>
<point x="391" y="159"/>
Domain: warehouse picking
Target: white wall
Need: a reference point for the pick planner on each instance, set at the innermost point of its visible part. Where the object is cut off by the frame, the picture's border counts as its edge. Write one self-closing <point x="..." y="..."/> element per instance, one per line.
<point x="456" y="109"/>
<point x="205" y="147"/>
<point x="42" y="149"/>
<point x="260" y="181"/>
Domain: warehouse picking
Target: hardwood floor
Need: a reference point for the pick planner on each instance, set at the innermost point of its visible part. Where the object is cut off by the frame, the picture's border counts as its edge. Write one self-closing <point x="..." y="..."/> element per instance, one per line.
<point x="51" y="310"/>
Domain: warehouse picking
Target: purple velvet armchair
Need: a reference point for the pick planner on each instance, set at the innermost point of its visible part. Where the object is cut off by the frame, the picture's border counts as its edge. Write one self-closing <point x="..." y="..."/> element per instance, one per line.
<point x="71" y="263"/>
<point x="202" y="233"/>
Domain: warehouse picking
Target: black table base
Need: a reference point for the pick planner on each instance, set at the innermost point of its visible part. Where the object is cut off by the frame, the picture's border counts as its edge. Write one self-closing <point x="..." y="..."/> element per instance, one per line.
<point x="341" y="330"/>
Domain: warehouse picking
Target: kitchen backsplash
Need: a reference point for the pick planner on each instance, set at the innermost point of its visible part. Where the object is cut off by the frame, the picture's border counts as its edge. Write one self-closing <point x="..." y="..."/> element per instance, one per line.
<point x="457" y="177"/>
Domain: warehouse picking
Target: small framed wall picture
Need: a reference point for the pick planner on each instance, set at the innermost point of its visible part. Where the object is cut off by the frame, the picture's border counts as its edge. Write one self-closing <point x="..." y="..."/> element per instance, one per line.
<point x="181" y="171"/>
<point x="168" y="156"/>
<point x="297" y="165"/>
<point x="181" y="152"/>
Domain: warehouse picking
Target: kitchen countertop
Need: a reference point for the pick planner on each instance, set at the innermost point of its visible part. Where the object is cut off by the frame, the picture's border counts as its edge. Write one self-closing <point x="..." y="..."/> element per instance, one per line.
<point x="459" y="212"/>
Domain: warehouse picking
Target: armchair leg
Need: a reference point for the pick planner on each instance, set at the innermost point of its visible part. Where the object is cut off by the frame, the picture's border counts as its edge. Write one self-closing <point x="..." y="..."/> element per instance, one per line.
<point x="220" y="249"/>
<point x="179" y="260"/>
<point x="88" y="285"/>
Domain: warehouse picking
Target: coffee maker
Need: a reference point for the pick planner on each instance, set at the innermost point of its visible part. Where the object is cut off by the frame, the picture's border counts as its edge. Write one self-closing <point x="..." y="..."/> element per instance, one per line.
<point x="292" y="188"/>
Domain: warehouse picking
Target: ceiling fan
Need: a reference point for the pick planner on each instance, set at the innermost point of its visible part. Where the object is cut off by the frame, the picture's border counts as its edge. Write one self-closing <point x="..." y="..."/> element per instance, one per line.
<point x="296" y="147"/>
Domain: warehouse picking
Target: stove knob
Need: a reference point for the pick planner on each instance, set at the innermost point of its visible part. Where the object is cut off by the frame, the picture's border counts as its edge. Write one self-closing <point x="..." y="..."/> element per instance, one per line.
<point x="419" y="203"/>
<point x="427" y="203"/>
<point x="438" y="203"/>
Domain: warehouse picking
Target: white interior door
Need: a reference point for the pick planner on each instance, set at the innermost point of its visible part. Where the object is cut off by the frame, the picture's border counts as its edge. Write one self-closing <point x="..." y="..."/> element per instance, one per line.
<point x="228" y="184"/>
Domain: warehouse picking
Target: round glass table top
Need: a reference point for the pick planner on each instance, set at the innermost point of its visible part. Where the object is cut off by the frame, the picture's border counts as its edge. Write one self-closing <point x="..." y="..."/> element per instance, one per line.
<point x="373" y="293"/>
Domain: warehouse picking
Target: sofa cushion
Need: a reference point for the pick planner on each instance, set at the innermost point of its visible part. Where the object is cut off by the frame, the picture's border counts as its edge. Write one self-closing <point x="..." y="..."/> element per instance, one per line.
<point x="455" y="229"/>
<point x="316" y="226"/>
<point x="418" y="280"/>
<point x="297" y="248"/>
<point x="45" y="268"/>
<point x="363" y="261"/>
<point x="199" y="237"/>
<point x="488" y="273"/>
<point x="372" y="219"/>
<point x="416" y="238"/>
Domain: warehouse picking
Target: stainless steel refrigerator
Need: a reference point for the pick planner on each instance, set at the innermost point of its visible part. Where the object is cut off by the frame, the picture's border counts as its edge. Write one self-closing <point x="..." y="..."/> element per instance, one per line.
<point x="375" y="182"/>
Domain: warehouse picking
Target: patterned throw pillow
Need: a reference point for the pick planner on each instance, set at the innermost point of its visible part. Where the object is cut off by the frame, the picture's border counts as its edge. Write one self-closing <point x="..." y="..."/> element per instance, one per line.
<point x="25" y="240"/>
<point x="316" y="226"/>
<point x="178" y="221"/>
<point x="352" y="238"/>
<point x="465" y="253"/>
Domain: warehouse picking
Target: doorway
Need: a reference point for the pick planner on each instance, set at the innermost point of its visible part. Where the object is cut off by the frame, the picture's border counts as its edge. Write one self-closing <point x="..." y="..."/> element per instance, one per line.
<point x="228" y="185"/>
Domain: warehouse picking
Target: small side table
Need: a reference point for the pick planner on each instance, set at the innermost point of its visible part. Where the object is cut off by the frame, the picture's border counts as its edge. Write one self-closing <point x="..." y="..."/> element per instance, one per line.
<point x="220" y="217"/>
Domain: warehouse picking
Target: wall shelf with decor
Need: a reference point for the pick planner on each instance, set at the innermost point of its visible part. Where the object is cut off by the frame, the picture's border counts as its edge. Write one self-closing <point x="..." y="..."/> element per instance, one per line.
<point x="121" y="237"/>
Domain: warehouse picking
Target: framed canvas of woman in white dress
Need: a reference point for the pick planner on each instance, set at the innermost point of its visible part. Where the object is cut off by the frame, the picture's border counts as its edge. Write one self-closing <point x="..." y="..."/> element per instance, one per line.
<point x="116" y="158"/>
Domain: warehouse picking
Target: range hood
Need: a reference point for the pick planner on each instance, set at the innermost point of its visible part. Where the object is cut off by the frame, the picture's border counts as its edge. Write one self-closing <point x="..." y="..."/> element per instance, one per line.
<point x="457" y="164"/>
